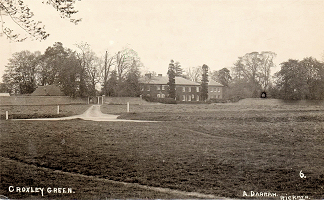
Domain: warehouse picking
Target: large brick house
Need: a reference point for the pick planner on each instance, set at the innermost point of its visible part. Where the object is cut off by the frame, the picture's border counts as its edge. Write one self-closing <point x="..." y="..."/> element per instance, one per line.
<point x="157" y="87"/>
<point x="186" y="90"/>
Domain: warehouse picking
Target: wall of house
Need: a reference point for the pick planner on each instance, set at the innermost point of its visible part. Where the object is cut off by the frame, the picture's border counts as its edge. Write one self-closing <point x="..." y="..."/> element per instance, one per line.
<point x="183" y="92"/>
<point x="188" y="93"/>
<point x="215" y="92"/>
<point x="155" y="91"/>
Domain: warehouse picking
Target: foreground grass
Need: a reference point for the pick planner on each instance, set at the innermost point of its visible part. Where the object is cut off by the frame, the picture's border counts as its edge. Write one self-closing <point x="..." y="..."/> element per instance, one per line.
<point x="203" y="149"/>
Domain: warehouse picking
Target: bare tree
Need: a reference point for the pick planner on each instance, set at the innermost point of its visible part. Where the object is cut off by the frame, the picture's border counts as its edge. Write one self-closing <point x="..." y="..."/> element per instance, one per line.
<point x="89" y="69"/>
<point x="21" y="15"/>
<point x="109" y="61"/>
<point x="194" y="73"/>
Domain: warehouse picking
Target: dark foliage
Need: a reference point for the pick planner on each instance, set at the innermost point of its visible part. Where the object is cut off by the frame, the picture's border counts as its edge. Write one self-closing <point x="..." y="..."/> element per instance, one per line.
<point x="171" y="83"/>
<point x="204" y="83"/>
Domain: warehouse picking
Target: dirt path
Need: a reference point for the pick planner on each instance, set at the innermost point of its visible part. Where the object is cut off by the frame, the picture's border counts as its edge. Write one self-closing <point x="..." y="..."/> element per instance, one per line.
<point x="93" y="114"/>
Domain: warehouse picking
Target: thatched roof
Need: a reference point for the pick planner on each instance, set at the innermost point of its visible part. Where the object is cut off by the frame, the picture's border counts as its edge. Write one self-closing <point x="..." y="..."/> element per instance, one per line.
<point x="48" y="90"/>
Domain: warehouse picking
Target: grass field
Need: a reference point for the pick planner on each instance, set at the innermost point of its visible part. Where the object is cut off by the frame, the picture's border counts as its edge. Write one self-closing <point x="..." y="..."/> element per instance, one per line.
<point x="38" y="111"/>
<point x="219" y="149"/>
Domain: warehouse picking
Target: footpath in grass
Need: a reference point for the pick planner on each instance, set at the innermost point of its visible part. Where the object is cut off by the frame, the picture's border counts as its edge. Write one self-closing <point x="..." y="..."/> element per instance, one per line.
<point x="223" y="153"/>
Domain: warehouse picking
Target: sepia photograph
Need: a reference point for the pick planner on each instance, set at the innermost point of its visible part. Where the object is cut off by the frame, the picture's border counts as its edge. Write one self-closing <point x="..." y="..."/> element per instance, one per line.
<point x="162" y="99"/>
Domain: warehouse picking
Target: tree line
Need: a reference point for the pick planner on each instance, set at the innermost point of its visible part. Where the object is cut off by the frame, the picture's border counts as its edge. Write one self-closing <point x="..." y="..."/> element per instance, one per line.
<point x="250" y="76"/>
<point x="77" y="72"/>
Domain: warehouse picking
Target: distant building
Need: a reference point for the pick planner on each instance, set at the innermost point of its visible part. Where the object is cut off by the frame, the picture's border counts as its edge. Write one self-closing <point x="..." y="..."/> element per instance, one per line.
<point x="215" y="90"/>
<point x="157" y="87"/>
<point x="186" y="90"/>
<point x="48" y="90"/>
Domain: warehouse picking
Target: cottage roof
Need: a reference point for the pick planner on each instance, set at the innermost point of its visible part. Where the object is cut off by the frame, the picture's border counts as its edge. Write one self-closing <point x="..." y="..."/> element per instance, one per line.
<point x="48" y="90"/>
<point x="163" y="80"/>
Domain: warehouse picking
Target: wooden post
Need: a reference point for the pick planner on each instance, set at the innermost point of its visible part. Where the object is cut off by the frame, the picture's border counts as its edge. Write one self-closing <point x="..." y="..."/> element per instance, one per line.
<point x="98" y="100"/>
<point x="88" y="100"/>
<point x="102" y="100"/>
<point x="127" y="106"/>
<point x="58" y="109"/>
<point x="7" y="115"/>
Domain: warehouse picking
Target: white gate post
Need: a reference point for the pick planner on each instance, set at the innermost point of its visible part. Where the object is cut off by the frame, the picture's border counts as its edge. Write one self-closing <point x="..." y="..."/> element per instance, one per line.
<point x="127" y="106"/>
<point x="98" y="100"/>
<point x="58" y="109"/>
<point x="7" y="115"/>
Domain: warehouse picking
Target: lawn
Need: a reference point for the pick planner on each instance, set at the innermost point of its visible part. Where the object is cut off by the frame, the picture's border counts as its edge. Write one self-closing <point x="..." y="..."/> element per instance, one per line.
<point x="217" y="149"/>
<point x="41" y="111"/>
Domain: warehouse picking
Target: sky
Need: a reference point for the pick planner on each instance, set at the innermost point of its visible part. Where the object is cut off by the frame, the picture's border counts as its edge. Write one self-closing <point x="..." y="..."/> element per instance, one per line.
<point x="192" y="32"/>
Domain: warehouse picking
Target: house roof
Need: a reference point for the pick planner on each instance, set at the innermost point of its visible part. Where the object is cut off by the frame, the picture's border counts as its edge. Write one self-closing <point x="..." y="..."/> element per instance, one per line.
<point x="48" y="90"/>
<point x="214" y="83"/>
<point x="163" y="80"/>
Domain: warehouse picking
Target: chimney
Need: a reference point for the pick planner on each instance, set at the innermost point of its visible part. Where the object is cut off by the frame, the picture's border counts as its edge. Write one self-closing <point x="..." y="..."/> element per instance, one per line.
<point x="159" y="75"/>
<point x="148" y="75"/>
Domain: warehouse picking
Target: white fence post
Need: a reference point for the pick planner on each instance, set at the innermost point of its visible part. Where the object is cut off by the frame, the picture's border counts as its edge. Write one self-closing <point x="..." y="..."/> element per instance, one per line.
<point x="7" y="115"/>
<point x="58" y="109"/>
<point x="98" y="100"/>
<point x="127" y="106"/>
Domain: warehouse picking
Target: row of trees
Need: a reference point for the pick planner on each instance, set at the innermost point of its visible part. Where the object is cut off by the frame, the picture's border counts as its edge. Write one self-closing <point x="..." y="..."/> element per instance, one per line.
<point x="78" y="73"/>
<point x="250" y="76"/>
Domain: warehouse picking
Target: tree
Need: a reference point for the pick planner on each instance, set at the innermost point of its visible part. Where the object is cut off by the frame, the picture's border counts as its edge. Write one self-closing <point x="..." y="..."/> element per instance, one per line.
<point x="112" y="84"/>
<point x="124" y="60"/>
<point x="52" y="64"/>
<point x="171" y="82"/>
<point x="89" y="69"/>
<point x="178" y="70"/>
<point x="204" y="83"/>
<point x="301" y="79"/>
<point x="131" y="84"/>
<point x="21" y="72"/>
<point x="254" y="69"/>
<point x="194" y="73"/>
<point x="105" y="72"/>
<point x="222" y="76"/>
<point x="21" y="15"/>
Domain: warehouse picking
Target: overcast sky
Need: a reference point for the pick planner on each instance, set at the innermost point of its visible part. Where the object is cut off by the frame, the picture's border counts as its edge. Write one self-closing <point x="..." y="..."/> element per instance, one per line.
<point x="192" y="32"/>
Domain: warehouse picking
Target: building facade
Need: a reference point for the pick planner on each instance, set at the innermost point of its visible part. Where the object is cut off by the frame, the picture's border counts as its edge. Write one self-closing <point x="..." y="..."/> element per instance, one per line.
<point x="186" y="90"/>
<point x="215" y="90"/>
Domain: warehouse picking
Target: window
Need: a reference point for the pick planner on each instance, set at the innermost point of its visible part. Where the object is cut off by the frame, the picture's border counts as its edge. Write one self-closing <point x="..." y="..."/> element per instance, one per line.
<point x="158" y="95"/>
<point x="219" y="96"/>
<point x="158" y="87"/>
<point x="163" y="95"/>
<point x="183" y="89"/>
<point x="189" y="89"/>
<point x="189" y="97"/>
<point x="163" y="87"/>
<point x="218" y="89"/>
<point x="183" y="97"/>
<point x="197" y="97"/>
<point x="197" y="89"/>
<point x="192" y="96"/>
